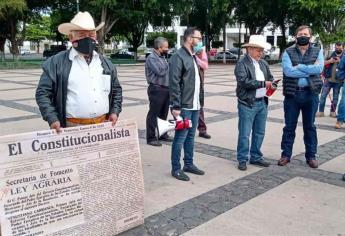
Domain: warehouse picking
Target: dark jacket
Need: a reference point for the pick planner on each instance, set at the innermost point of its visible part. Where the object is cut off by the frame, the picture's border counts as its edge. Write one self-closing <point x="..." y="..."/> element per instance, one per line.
<point x="309" y="58"/>
<point x="246" y="79"/>
<point x="182" y="80"/>
<point x="341" y="69"/>
<point x="156" y="69"/>
<point x="327" y="71"/>
<point x="51" y="93"/>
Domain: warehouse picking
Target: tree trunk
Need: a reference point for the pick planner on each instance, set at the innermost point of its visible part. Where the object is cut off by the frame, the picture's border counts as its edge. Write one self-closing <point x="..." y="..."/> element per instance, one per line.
<point x="13" y="39"/>
<point x="101" y="32"/>
<point x="108" y="25"/>
<point x="282" y="45"/>
<point x="252" y="29"/>
<point x="38" y="47"/>
<point x="2" y="48"/>
<point x="224" y="42"/>
<point x="14" y="49"/>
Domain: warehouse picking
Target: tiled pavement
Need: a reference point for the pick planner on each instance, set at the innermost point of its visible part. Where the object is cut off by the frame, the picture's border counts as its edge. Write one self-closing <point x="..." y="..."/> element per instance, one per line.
<point x="292" y="200"/>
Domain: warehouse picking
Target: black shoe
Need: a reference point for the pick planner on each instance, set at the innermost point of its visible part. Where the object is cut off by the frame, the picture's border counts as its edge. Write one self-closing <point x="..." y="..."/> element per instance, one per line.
<point x="260" y="162"/>
<point x="154" y="143"/>
<point x="204" y="135"/>
<point x="242" y="166"/>
<point x="166" y="139"/>
<point x="193" y="169"/>
<point x="180" y="175"/>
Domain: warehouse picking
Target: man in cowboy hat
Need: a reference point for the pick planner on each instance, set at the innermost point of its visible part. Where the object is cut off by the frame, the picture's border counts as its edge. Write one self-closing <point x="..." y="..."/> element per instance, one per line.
<point x="302" y="65"/>
<point x="253" y="78"/>
<point x="79" y="86"/>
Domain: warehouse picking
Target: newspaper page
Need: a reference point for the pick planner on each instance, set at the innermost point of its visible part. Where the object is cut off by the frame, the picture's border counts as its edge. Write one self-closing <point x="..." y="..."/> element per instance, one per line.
<point x="86" y="180"/>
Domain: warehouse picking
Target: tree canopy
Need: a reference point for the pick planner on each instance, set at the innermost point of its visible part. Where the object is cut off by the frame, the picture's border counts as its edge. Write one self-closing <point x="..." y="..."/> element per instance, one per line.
<point x="36" y="20"/>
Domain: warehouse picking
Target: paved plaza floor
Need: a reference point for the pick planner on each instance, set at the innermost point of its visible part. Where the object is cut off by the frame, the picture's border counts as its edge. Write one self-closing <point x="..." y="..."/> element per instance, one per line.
<point x="291" y="200"/>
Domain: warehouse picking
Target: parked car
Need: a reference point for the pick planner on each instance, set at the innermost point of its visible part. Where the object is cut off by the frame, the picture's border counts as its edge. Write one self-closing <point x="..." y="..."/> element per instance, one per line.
<point x="148" y="51"/>
<point x="25" y="51"/>
<point x="54" y="49"/>
<point x="123" y="54"/>
<point x="266" y="55"/>
<point x="228" y="56"/>
<point x="170" y="52"/>
<point x="235" y="51"/>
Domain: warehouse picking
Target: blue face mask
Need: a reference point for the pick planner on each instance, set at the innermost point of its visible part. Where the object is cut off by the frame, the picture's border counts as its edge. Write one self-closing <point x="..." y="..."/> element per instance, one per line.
<point x="198" y="48"/>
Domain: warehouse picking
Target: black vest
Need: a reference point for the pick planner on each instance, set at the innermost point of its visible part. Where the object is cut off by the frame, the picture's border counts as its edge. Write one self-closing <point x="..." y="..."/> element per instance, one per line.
<point x="309" y="58"/>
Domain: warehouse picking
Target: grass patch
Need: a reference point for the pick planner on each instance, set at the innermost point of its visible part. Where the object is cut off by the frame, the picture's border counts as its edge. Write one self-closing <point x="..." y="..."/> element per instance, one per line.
<point x="122" y="61"/>
<point x="21" y="64"/>
<point x="37" y="63"/>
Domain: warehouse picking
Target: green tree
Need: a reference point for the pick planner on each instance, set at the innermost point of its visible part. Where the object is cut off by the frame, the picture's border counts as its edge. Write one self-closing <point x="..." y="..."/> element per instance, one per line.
<point x="106" y="11"/>
<point x="10" y="13"/>
<point x="4" y="32"/>
<point x="253" y="14"/>
<point x="327" y="18"/>
<point x="133" y="21"/>
<point x="280" y="14"/>
<point x="15" y="14"/>
<point x="38" y="30"/>
<point x="61" y="11"/>
<point x="170" y="36"/>
<point x="210" y="16"/>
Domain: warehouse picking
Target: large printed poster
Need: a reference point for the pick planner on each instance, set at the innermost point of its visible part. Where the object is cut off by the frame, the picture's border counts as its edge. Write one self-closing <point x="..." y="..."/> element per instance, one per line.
<point x="86" y="180"/>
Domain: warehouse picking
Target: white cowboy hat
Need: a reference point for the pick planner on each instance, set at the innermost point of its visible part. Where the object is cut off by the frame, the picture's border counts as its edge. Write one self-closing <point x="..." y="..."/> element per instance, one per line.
<point x="257" y="41"/>
<point x="81" y="21"/>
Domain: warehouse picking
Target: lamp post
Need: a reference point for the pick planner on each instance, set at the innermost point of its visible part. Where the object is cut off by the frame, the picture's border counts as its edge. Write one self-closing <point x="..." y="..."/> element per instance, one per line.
<point x="77" y="6"/>
<point x="239" y="41"/>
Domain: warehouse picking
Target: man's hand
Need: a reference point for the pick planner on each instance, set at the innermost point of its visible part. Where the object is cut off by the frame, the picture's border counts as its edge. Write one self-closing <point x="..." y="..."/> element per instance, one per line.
<point x="113" y="118"/>
<point x="175" y="113"/>
<point x="268" y="84"/>
<point x="56" y="125"/>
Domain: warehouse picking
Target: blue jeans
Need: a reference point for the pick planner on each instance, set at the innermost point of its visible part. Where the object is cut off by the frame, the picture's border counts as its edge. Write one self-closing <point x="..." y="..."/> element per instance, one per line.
<point x="184" y="138"/>
<point x="326" y="88"/>
<point x="341" y="108"/>
<point x="251" y="120"/>
<point x="307" y="102"/>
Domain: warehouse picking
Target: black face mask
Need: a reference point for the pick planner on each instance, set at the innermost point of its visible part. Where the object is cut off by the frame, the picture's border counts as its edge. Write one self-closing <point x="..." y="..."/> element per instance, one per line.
<point x="164" y="53"/>
<point x="303" y="40"/>
<point x="338" y="52"/>
<point x="85" y="45"/>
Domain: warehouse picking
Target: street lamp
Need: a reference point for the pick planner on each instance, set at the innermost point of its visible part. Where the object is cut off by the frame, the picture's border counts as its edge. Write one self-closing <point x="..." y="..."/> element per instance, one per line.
<point x="77" y="6"/>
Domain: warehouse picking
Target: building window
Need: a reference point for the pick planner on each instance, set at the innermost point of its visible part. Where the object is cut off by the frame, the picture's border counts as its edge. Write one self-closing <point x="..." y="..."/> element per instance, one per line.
<point x="279" y="40"/>
<point x="270" y="39"/>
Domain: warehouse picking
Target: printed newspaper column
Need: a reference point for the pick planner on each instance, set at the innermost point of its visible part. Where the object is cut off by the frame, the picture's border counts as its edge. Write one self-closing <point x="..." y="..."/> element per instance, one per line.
<point x="41" y="202"/>
<point x="85" y="181"/>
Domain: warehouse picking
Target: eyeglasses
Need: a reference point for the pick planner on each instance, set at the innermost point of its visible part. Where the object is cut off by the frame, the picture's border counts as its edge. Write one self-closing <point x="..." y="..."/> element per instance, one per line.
<point x="197" y="38"/>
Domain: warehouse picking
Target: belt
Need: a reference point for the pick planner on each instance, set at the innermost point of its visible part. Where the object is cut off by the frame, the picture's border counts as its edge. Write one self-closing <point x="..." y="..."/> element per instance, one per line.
<point x="88" y="121"/>
<point x="259" y="99"/>
<point x="158" y="85"/>
<point x="303" y="88"/>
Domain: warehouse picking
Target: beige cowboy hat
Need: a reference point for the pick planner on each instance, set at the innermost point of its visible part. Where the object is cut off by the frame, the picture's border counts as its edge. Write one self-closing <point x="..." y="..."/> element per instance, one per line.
<point x="257" y="41"/>
<point x="81" y="21"/>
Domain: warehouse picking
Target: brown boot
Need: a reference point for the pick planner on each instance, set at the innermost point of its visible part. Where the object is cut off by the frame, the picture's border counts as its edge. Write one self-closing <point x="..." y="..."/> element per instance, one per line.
<point x="283" y="161"/>
<point x="312" y="163"/>
<point x="338" y="125"/>
<point x="333" y="114"/>
<point x="320" y="114"/>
